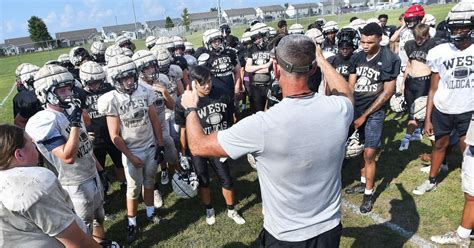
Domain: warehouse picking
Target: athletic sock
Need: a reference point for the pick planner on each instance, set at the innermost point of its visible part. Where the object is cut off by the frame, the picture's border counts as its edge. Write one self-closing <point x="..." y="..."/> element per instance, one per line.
<point x="368" y="191"/>
<point x="150" y="210"/>
<point x="362" y="179"/>
<point x="132" y="221"/>
<point x="230" y="207"/>
<point x="432" y="180"/>
<point x="463" y="232"/>
<point x="208" y="206"/>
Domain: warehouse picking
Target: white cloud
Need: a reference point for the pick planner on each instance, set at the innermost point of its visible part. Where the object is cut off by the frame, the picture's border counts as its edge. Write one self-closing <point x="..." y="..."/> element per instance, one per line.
<point x="152" y="9"/>
<point x="67" y="18"/>
<point x="9" y="26"/>
<point x="51" y="18"/>
<point x="91" y="3"/>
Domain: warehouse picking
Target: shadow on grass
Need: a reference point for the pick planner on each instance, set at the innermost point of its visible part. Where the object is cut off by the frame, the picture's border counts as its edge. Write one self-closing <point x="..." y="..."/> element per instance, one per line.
<point x="404" y="215"/>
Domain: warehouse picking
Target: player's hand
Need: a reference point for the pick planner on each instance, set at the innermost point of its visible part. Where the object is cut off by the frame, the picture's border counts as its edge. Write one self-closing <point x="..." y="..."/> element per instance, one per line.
<point x="159" y="87"/>
<point x="75" y="116"/>
<point x="428" y="128"/>
<point x="160" y="154"/>
<point x="91" y="136"/>
<point x="359" y="121"/>
<point x="190" y="98"/>
<point x="136" y="161"/>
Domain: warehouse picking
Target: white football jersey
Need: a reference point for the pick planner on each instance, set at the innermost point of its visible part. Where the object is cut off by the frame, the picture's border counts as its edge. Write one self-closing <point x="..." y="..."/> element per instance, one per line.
<point x="132" y="110"/>
<point x="455" y="94"/>
<point x="160" y="100"/>
<point x="49" y="124"/>
<point x="175" y="74"/>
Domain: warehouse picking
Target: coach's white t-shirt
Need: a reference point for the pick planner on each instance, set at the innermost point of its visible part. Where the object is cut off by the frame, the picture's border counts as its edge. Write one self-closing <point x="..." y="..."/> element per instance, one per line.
<point x="132" y="110"/>
<point x="455" y="94"/>
<point x="470" y="133"/>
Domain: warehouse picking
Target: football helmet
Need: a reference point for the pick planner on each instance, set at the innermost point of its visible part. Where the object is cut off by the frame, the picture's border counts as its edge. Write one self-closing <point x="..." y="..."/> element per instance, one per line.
<point x="211" y="35"/>
<point x="124" y="41"/>
<point x="398" y="103"/>
<point x="27" y="75"/>
<point x="150" y="41"/>
<point x="98" y="51"/>
<point x="225" y="29"/>
<point x="260" y="30"/>
<point x="114" y="50"/>
<point x="430" y="20"/>
<point x="77" y="55"/>
<point x="330" y="27"/>
<point x="358" y="24"/>
<point x="188" y="46"/>
<point x="272" y="32"/>
<point x="461" y="15"/>
<point x="163" y="58"/>
<point x="418" y="108"/>
<point x="296" y="29"/>
<point x="48" y="79"/>
<point x="348" y="36"/>
<point x="92" y="76"/>
<point x="413" y="15"/>
<point x="178" y="43"/>
<point x="144" y="59"/>
<point x="165" y="43"/>
<point x="119" y="68"/>
<point x="185" y="182"/>
<point x="354" y="147"/>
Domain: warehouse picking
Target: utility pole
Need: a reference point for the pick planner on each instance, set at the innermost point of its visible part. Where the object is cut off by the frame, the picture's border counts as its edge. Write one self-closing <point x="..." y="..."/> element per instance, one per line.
<point x="219" y="12"/>
<point x="135" y="18"/>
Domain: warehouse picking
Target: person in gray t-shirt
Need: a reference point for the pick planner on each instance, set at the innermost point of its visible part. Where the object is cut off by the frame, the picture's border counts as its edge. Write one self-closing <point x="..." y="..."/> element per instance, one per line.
<point x="35" y="211"/>
<point x="300" y="178"/>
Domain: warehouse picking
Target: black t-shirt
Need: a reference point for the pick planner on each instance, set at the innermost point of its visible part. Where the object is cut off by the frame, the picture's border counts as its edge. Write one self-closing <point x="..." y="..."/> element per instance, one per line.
<point x="314" y="80"/>
<point x="98" y="120"/>
<point x="26" y="104"/>
<point x="258" y="55"/>
<point x="419" y="52"/>
<point x="213" y="110"/>
<point x="222" y="69"/>
<point x="181" y="62"/>
<point x="328" y="47"/>
<point x="341" y="65"/>
<point x="371" y="75"/>
<point x="389" y="30"/>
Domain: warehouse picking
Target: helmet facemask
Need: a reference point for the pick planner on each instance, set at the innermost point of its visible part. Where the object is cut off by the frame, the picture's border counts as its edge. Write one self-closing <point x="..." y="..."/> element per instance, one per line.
<point x="411" y="22"/>
<point x="120" y="81"/>
<point x="217" y="48"/>
<point x="260" y="39"/>
<point x="149" y="76"/>
<point x="62" y="94"/>
<point x="460" y="32"/>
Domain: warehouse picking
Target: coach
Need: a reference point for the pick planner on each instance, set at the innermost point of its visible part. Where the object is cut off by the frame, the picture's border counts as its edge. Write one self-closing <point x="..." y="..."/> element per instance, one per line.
<point x="298" y="145"/>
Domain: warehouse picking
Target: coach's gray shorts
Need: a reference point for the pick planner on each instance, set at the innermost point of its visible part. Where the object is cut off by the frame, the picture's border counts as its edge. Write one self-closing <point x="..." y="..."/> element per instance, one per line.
<point x="138" y="177"/>
<point x="88" y="200"/>
<point x="467" y="171"/>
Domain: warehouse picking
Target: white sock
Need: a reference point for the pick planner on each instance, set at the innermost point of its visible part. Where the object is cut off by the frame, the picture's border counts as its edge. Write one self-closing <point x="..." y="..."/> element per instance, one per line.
<point x="407" y="136"/>
<point x="132" y="221"/>
<point x="463" y="232"/>
<point x="150" y="211"/>
<point x="362" y="179"/>
<point x="368" y="191"/>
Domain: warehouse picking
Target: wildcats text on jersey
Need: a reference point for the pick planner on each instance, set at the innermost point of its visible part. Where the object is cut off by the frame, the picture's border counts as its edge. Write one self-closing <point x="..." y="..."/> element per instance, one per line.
<point x="84" y="141"/>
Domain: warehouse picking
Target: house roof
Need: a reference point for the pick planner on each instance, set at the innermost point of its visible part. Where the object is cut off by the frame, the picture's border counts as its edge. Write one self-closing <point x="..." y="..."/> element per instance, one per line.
<point x="118" y="29"/>
<point x="21" y="41"/>
<point x="305" y="5"/>
<point x="161" y="23"/>
<point x="77" y="34"/>
<point x="242" y="11"/>
<point x="272" y="8"/>
<point x="202" y="15"/>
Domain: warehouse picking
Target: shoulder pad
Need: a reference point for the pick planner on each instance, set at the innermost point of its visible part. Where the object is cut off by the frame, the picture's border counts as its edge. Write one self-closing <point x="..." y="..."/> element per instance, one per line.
<point x="42" y="125"/>
<point x="203" y="58"/>
<point x="22" y="187"/>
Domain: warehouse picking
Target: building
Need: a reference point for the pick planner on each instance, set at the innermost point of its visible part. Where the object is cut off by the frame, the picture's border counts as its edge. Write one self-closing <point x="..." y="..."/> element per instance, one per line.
<point x="20" y="45"/>
<point x="204" y="20"/>
<point x="271" y="12"/>
<point x="304" y="9"/>
<point x="152" y="25"/>
<point x="241" y="16"/>
<point x="110" y="33"/>
<point x="78" y="37"/>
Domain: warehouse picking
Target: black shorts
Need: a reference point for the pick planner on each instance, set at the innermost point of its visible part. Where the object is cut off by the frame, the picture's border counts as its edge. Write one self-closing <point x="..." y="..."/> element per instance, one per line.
<point x="328" y="239"/>
<point x="221" y="169"/>
<point x="416" y="87"/>
<point x="101" y="151"/>
<point x="444" y="124"/>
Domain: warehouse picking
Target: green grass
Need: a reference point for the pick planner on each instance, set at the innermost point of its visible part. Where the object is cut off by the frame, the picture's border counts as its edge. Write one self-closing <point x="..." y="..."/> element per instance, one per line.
<point x="397" y="175"/>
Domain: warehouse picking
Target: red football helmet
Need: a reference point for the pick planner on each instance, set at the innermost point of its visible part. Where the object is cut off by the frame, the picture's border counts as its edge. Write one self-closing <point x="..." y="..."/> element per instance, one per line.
<point x="413" y="15"/>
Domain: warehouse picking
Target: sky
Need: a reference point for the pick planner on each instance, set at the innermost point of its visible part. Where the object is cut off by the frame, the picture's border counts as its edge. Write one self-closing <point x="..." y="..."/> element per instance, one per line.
<point x="68" y="15"/>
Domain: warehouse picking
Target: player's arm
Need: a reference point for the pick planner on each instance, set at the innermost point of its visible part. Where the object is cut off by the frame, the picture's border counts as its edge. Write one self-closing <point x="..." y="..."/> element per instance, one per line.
<point x="67" y="151"/>
<point x="182" y="140"/>
<point x="73" y="237"/>
<point x="169" y="101"/>
<point x="113" y="124"/>
<point x="251" y="68"/>
<point x="237" y="79"/>
<point x="20" y="121"/>
<point x="185" y="82"/>
<point x="396" y="34"/>
<point x="180" y="86"/>
<point x="388" y="90"/>
<point x="352" y="82"/>
<point x="156" y="124"/>
<point x="199" y="143"/>
<point x="405" y="75"/>
<point x="429" y="105"/>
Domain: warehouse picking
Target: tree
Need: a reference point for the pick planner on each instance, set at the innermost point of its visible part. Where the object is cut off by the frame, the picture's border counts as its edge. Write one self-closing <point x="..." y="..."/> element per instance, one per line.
<point x="185" y="17"/>
<point x="286" y="5"/>
<point x="213" y="9"/>
<point x="168" y="22"/>
<point x="38" y="31"/>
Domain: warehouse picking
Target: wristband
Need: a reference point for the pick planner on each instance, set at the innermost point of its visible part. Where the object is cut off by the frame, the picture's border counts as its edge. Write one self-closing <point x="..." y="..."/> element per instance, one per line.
<point x="188" y="111"/>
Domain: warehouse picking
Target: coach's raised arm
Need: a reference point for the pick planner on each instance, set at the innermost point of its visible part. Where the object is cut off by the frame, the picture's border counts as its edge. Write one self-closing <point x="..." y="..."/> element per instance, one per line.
<point x="294" y="165"/>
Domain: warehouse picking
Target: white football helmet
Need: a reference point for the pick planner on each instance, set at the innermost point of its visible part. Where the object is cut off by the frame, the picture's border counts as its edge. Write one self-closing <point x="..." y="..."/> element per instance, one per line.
<point x="330" y="26"/>
<point x="461" y="15"/>
<point x="397" y="103"/>
<point x="316" y="35"/>
<point x="123" y="41"/>
<point x="98" y="47"/>
<point x="48" y="79"/>
<point x="120" y="67"/>
<point x="418" y="108"/>
<point x="163" y="58"/>
<point x="188" y="46"/>
<point x="246" y="37"/>
<point x="296" y="29"/>
<point x="64" y="58"/>
<point x="185" y="182"/>
<point x="354" y="147"/>
<point x="150" y="41"/>
<point x="272" y="32"/>
<point x="358" y="24"/>
<point x="18" y="69"/>
<point x="165" y="43"/>
<point x="77" y="55"/>
<point x="430" y="20"/>
<point x="211" y="35"/>
<point x="178" y="42"/>
<point x="374" y="20"/>
<point x="27" y="75"/>
<point x="114" y="50"/>
<point x="91" y="73"/>
<point x="144" y="59"/>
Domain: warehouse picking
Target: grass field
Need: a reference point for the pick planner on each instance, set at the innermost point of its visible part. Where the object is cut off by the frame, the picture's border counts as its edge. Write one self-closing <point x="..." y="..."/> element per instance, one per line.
<point x="397" y="175"/>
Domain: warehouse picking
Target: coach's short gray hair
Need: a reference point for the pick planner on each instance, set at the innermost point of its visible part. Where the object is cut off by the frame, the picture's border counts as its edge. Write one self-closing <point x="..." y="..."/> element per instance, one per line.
<point x="297" y="50"/>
